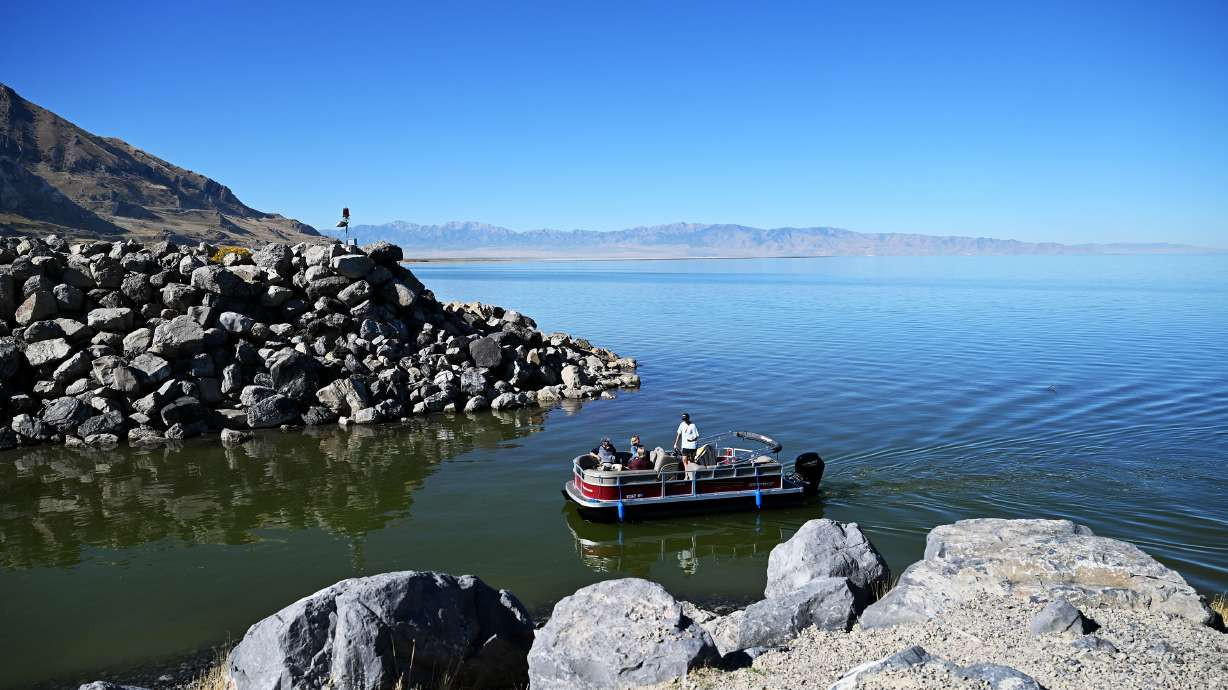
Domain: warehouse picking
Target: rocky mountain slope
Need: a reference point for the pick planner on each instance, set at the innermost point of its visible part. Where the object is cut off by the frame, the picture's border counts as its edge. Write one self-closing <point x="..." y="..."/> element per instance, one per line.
<point x="55" y="177"/>
<point x="681" y="240"/>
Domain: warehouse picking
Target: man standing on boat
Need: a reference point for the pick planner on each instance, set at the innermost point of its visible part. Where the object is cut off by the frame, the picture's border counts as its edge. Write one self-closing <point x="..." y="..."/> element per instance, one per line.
<point x="688" y="435"/>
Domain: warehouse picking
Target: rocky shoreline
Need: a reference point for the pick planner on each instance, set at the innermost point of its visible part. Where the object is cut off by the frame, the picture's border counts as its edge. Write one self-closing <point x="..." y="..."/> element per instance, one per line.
<point x="104" y="343"/>
<point x="1003" y="604"/>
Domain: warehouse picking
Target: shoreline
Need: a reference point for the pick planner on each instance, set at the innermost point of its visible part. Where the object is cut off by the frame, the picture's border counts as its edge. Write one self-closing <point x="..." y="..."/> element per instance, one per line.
<point x="719" y="257"/>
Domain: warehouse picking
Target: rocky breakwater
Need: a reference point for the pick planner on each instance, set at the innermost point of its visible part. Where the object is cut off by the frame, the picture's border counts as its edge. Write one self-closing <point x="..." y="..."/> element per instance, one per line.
<point x="106" y="342"/>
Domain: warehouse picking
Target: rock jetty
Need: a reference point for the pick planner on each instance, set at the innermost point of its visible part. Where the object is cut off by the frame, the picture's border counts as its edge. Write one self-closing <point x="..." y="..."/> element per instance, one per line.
<point x="1018" y="631"/>
<point x="103" y="343"/>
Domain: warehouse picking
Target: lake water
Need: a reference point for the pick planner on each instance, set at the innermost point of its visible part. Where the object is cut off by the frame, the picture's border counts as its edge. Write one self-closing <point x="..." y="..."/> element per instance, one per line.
<point x="1089" y="388"/>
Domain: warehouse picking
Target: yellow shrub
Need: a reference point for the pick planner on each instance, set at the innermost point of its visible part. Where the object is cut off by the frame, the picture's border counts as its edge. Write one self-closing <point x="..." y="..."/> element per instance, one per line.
<point x="223" y="251"/>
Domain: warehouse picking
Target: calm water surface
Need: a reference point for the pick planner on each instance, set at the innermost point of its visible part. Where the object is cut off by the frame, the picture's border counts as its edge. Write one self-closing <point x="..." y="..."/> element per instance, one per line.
<point x="1090" y="388"/>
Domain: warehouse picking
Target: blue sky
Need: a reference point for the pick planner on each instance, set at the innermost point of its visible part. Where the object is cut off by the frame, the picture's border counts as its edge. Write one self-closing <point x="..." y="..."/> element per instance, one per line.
<point x="1067" y="121"/>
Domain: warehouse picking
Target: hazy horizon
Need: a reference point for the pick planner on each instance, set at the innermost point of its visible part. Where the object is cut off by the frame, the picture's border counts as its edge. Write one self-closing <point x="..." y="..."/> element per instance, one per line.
<point x="521" y="230"/>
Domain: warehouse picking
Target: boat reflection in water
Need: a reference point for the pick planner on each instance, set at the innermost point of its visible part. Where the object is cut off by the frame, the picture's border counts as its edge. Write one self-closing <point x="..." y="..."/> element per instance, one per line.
<point x="689" y="545"/>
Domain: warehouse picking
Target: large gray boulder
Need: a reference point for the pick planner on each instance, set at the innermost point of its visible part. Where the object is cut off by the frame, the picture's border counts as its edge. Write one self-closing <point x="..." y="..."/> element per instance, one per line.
<point x="294" y="374"/>
<point x="345" y="396"/>
<point x="154" y="368"/>
<point x="179" y="297"/>
<point x="272" y="411"/>
<point x="384" y="253"/>
<point x="184" y="410"/>
<point x="47" y="352"/>
<point x="177" y="337"/>
<point x="915" y="668"/>
<point x="486" y="352"/>
<point x="1033" y="560"/>
<point x="352" y="266"/>
<point x="371" y="633"/>
<point x="220" y="280"/>
<point x="617" y="634"/>
<point x="235" y="322"/>
<point x="65" y="413"/>
<point x="115" y="320"/>
<point x="827" y="603"/>
<point x="38" y="306"/>
<point x="826" y="548"/>
<point x="274" y="257"/>
<point x="107" y="685"/>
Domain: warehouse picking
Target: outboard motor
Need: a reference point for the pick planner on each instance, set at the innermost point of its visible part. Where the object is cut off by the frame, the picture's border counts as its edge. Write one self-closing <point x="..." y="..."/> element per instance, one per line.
<point x="809" y="466"/>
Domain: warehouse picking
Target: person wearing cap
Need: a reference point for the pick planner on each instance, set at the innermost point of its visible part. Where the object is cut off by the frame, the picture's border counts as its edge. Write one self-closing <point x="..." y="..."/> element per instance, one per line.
<point x="686" y="437"/>
<point x="606" y="453"/>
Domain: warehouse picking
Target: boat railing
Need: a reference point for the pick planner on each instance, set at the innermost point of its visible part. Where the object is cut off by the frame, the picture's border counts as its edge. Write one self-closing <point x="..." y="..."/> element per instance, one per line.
<point x="729" y="462"/>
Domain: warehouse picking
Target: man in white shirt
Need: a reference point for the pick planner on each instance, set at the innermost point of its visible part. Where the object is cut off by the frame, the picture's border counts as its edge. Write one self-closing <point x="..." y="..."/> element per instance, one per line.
<point x="686" y="437"/>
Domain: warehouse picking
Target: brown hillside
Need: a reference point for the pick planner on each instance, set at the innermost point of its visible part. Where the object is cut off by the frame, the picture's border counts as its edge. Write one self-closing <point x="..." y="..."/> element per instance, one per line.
<point x="58" y="178"/>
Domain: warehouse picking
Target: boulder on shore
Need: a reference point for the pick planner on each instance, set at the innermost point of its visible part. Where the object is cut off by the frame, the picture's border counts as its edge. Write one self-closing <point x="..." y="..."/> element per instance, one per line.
<point x="826" y="548"/>
<point x="1033" y="559"/>
<point x="825" y="603"/>
<point x="617" y="634"/>
<point x="373" y="633"/>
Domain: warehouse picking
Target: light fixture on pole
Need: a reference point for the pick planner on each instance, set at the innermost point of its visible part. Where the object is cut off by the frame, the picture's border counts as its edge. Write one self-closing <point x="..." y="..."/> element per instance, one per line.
<point x="345" y="223"/>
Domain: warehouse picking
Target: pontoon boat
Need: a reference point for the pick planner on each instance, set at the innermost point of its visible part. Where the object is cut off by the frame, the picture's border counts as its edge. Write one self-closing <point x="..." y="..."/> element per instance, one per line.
<point x="725" y="475"/>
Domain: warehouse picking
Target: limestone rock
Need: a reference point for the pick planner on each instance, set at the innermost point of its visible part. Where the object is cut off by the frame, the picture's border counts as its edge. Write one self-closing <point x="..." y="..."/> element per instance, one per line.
<point x="1059" y="618"/>
<point x="178" y="337"/>
<point x="184" y="410"/>
<point x="114" y="320"/>
<point x="826" y="548"/>
<point x="352" y="266"/>
<point x="220" y="280"/>
<point x="47" y="351"/>
<point x="486" y="352"/>
<point x="64" y="414"/>
<point x="371" y="633"/>
<point x="617" y="634"/>
<point x="272" y="411"/>
<point x="914" y="667"/>
<point x="152" y="367"/>
<point x="1045" y="559"/>
<point x="235" y="322"/>
<point x="38" y="306"/>
<point x="827" y="603"/>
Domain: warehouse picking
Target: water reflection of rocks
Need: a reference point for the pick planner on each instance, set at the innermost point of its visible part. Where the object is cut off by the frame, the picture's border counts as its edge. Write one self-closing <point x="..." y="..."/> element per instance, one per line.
<point x="55" y="502"/>
<point x="633" y="549"/>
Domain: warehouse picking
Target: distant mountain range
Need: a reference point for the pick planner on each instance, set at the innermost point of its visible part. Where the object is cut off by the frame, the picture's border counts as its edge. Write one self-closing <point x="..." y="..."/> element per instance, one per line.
<point x="58" y="178"/>
<point x="682" y="240"/>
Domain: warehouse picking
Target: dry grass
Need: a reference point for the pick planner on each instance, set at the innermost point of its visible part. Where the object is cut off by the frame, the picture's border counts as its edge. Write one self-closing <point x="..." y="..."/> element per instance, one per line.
<point x="214" y="677"/>
<point x="1219" y="604"/>
<point x="879" y="589"/>
<point x="221" y="253"/>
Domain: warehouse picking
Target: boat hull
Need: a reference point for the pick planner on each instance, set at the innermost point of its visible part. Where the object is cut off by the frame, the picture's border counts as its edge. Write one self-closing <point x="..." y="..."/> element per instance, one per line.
<point x="790" y="494"/>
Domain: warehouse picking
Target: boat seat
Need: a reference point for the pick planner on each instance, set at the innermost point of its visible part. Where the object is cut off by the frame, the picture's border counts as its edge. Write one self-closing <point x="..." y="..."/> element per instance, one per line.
<point x="670" y="469"/>
<point x="705" y="456"/>
<point x="658" y="457"/>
